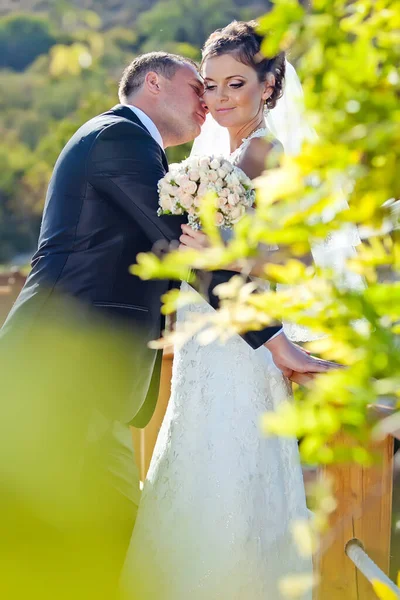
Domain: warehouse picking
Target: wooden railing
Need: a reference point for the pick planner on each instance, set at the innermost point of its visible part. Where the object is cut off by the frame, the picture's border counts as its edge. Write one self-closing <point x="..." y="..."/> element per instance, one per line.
<point x="363" y="513"/>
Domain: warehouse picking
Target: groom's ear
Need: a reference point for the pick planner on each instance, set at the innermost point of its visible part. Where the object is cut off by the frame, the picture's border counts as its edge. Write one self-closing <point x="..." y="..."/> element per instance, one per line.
<point x="152" y="82"/>
<point x="269" y="86"/>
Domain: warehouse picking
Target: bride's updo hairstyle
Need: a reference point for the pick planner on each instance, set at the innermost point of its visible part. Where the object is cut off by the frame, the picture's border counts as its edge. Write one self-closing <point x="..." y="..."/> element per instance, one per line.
<point x="241" y="40"/>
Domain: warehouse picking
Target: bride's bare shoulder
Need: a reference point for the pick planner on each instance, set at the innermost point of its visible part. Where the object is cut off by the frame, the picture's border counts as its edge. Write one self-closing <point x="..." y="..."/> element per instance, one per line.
<point x="254" y="157"/>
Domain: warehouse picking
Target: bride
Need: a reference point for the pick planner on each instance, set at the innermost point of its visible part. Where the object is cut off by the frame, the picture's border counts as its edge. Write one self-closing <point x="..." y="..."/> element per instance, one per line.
<point x="215" y="517"/>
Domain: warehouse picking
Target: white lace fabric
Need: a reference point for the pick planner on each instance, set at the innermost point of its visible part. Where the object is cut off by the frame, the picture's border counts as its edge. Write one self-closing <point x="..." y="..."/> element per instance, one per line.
<point x="214" y="522"/>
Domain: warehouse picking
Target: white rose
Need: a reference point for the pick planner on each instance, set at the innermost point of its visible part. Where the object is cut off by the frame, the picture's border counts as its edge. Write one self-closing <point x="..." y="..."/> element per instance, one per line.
<point x="197" y="201"/>
<point x="237" y="213"/>
<point x="222" y="172"/>
<point x="219" y="183"/>
<point x="169" y="177"/>
<point x="166" y="203"/>
<point x="186" y="200"/>
<point x="224" y="192"/>
<point x="202" y="190"/>
<point x="219" y="219"/>
<point x="233" y="199"/>
<point x="192" y="163"/>
<point x="215" y="164"/>
<point x="212" y="176"/>
<point x="238" y="190"/>
<point x="227" y="166"/>
<point x="194" y="175"/>
<point x="180" y="193"/>
<point x="189" y="187"/>
<point x="246" y="181"/>
<point x="169" y="189"/>
<point x="204" y="162"/>
<point x="182" y="179"/>
<point x="232" y="179"/>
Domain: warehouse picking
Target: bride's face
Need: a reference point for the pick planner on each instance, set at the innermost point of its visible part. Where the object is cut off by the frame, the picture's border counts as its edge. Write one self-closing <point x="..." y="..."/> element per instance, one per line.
<point x="234" y="95"/>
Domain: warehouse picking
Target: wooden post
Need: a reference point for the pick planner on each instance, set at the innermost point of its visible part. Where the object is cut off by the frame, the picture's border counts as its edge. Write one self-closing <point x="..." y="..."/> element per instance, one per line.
<point x="364" y="510"/>
<point x="145" y="439"/>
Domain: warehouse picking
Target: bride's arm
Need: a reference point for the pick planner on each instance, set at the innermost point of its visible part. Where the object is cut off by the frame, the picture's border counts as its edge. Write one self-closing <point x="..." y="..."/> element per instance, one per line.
<point x="259" y="156"/>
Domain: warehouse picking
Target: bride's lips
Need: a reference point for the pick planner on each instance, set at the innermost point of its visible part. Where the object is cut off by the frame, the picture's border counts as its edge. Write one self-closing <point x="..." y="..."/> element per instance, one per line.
<point x="221" y="111"/>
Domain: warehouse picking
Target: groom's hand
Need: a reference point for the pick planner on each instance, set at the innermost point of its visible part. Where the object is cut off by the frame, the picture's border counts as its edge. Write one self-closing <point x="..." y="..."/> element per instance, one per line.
<point x="291" y="359"/>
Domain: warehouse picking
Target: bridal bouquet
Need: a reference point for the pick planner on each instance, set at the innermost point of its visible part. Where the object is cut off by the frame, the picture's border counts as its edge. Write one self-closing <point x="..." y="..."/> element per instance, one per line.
<point x="187" y="183"/>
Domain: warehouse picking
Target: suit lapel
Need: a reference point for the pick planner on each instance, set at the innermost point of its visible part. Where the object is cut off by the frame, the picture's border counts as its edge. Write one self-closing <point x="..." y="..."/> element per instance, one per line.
<point x="127" y="113"/>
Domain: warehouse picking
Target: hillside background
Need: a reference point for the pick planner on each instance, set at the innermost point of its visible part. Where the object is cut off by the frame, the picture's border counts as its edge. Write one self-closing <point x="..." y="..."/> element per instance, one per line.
<point x="60" y="62"/>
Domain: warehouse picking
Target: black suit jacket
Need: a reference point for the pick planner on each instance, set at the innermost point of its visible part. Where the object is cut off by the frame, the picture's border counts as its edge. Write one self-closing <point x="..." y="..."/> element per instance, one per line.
<point x="100" y="212"/>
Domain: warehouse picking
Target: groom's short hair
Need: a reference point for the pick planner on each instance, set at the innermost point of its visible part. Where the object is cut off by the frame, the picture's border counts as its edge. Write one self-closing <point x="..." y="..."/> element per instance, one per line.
<point x="163" y="63"/>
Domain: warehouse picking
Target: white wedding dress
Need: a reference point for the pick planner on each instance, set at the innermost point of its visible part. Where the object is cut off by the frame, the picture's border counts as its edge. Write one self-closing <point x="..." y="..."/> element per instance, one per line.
<point x="214" y="522"/>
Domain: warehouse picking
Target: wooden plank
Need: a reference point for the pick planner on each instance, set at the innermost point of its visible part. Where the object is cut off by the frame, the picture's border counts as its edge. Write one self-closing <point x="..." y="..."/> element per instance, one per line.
<point x="145" y="439"/>
<point x="364" y="497"/>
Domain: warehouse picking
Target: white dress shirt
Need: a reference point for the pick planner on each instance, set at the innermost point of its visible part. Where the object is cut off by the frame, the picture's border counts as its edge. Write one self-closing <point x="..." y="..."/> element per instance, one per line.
<point x="148" y="123"/>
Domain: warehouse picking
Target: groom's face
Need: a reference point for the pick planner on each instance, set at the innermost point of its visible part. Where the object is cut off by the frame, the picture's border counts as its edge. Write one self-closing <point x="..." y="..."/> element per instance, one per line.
<point x="183" y="105"/>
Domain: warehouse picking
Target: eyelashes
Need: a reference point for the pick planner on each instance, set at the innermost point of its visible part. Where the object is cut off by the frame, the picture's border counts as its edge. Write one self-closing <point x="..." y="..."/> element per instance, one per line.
<point x="235" y="86"/>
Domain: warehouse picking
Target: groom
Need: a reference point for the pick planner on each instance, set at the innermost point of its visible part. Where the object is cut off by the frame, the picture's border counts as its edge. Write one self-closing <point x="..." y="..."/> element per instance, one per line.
<point x="100" y="212"/>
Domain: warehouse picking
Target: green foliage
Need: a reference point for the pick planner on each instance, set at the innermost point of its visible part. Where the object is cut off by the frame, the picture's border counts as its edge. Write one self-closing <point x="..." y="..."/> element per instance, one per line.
<point x="23" y="37"/>
<point x="185" y="21"/>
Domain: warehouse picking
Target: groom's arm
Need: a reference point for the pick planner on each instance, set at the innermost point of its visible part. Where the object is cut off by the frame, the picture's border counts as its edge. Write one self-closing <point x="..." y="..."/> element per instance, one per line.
<point x="126" y="164"/>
